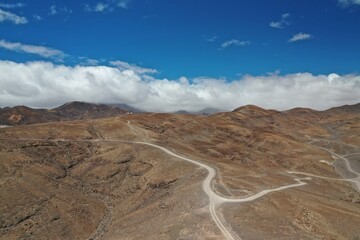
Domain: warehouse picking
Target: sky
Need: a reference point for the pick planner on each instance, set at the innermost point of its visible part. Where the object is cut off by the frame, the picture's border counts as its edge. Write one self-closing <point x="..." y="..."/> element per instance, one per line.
<point x="161" y="55"/>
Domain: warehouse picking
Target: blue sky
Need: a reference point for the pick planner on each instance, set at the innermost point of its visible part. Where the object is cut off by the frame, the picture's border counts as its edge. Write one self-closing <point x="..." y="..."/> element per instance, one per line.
<point x="166" y="55"/>
<point x="184" y="38"/>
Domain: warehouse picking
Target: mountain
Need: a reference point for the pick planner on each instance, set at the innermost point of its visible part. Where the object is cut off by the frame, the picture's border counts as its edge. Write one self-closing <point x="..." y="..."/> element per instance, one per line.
<point x="83" y="110"/>
<point x="205" y="111"/>
<point x="209" y="111"/>
<point x="346" y="108"/>
<point x="183" y="112"/>
<point x="127" y="107"/>
<point x="69" y="111"/>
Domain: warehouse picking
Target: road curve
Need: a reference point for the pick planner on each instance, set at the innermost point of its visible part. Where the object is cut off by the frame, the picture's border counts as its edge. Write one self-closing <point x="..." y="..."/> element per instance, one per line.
<point x="215" y="199"/>
<point x="355" y="180"/>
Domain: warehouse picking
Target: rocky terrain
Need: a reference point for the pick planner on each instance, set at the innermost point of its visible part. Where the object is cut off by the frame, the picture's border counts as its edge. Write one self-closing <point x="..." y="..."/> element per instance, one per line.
<point x="92" y="179"/>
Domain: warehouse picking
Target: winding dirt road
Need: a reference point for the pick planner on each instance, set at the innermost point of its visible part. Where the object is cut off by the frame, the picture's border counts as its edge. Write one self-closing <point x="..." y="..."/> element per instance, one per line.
<point x="216" y="199"/>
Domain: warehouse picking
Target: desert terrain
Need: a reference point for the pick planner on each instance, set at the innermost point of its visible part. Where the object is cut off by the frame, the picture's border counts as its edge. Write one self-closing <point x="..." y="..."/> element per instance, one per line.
<point x="247" y="174"/>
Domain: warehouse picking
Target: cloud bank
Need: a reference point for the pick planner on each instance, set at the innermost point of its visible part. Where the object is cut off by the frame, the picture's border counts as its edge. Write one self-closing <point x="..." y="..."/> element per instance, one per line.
<point x="44" y="84"/>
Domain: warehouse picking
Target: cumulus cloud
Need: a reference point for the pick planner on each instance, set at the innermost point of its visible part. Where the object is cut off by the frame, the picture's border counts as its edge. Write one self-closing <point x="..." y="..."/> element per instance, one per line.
<point x="282" y="23"/>
<point x="12" y="5"/>
<point x="32" y="49"/>
<point x="234" y="42"/>
<point x="44" y="84"/>
<point x="11" y="17"/>
<point x="300" y="37"/>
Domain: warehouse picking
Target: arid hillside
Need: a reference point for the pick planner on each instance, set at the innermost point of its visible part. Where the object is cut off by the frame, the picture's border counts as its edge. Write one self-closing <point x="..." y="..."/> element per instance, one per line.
<point x="247" y="174"/>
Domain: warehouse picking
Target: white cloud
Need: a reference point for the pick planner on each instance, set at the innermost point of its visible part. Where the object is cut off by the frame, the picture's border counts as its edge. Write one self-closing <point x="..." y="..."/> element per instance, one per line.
<point x="300" y="37"/>
<point x="100" y="7"/>
<point x="234" y="42"/>
<point x="346" y="3"/>
<point x="87" y="8"/>
<point x="136" y="69"/>
<point x="32" y="49"/>
<point x="285" y="15"/>
<point x="89" y="61"/>
<point x="11" y="17"/>
<point x="212" y="39"/>
<point x="107" y="6"/>
<point x="282" y="23"/>
<point x="54" y="10"/>
<point x="37" y="17"/>
<point x="123" y="3"/>
<point x="12" y="5"/>
<point x="43" y="84"/>
<point x="332" y="77"/>
<point x="276" y="25"/>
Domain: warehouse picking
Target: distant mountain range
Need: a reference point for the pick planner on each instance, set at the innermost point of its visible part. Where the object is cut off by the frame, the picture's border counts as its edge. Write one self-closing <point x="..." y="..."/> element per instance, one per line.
<point x="81" y="110"/>
<point x="206" y="111"/>
<point x="127" y="107"/>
